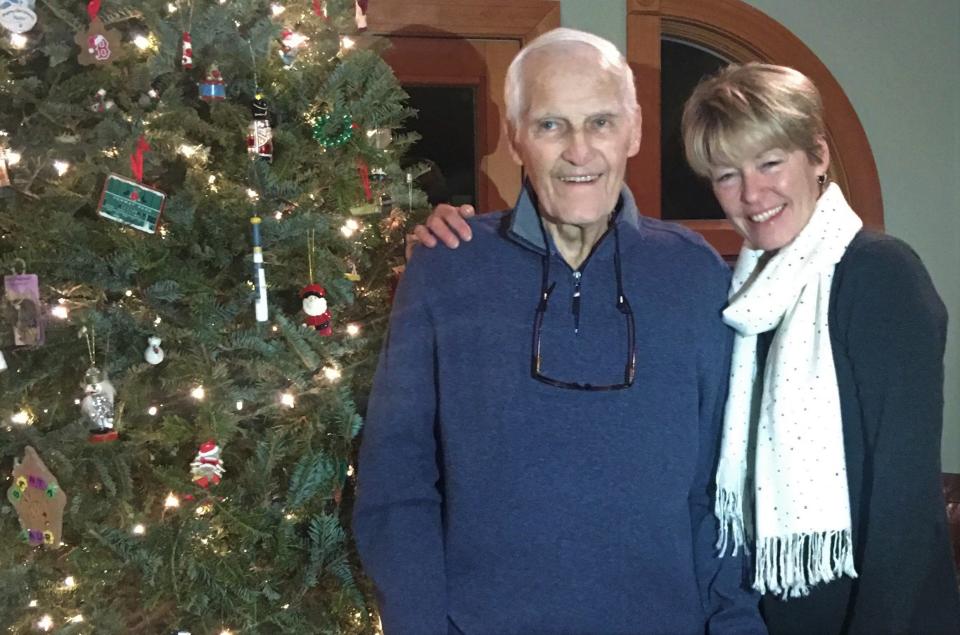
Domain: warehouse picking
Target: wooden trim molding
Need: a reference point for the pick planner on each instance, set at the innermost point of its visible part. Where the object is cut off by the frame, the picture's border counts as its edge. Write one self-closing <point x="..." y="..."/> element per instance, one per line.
<point x="739" y="32"/>
<point x="506" y="19"/>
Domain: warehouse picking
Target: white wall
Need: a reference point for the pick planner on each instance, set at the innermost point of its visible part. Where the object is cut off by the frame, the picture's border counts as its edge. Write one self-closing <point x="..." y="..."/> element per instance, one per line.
<point x="898" y="63"/>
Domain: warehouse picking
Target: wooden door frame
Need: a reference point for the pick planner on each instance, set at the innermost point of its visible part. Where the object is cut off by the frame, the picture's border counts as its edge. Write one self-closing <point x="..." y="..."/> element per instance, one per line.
<point x="516" y="21"/>
<point x="500" y="19"/>
<point x="740" y="32"/>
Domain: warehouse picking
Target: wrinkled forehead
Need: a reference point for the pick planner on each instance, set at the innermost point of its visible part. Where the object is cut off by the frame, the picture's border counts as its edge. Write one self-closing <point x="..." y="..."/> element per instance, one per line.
<point x="572" y="76"/>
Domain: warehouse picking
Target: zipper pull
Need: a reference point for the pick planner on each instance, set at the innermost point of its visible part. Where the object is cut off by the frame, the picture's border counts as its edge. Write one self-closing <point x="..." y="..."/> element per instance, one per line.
<point x="576" y="302"/>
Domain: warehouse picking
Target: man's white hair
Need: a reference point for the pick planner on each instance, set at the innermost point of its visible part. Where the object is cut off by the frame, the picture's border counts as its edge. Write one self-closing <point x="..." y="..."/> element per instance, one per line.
<point x="610" y="59"/>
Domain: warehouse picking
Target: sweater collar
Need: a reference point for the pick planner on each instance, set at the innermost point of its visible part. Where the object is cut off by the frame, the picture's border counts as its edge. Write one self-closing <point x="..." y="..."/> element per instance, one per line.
<point x="524" y="226"/>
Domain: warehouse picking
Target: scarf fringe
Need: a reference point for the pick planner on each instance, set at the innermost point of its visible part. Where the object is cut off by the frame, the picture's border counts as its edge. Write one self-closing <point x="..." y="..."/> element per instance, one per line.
<point x="789" y="565"/>
<point x="727" y="509"/>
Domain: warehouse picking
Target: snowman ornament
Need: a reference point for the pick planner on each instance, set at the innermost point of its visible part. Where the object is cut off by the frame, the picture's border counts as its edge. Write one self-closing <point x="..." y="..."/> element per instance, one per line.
<point x="153" y="354"/>
<point x="314" y="299"/>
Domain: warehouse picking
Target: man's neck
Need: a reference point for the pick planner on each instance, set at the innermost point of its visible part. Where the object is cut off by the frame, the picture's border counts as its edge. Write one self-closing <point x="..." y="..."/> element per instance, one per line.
<point x="575" y="242"/>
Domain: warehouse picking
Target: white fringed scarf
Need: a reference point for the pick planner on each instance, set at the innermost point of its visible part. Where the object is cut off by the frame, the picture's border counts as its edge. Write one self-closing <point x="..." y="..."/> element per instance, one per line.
<point x="790" y="411"/>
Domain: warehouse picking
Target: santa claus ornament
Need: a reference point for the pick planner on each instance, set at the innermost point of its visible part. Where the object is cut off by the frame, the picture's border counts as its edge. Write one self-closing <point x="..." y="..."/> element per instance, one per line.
<point x="314" y="299"/>
<point x="206" y="469"/>
<point x="313" y="296"/>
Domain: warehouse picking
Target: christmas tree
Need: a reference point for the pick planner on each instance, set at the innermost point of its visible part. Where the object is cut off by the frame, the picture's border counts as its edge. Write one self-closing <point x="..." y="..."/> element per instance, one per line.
<point x="197" y="267"/>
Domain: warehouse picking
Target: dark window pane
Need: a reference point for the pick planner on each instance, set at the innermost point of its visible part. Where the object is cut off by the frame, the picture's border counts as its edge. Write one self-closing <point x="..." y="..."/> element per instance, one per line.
<point x="685" y="195"/>
<point x="446" y="122"/>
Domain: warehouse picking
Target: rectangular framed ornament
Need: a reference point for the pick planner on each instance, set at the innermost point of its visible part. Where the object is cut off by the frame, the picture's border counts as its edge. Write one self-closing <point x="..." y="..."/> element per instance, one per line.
<point x="130" y="203"/>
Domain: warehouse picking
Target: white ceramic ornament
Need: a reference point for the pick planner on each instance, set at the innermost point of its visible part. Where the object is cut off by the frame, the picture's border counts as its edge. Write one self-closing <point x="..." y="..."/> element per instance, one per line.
<point x="153" y="354"/>
<point x="17" y="16"/>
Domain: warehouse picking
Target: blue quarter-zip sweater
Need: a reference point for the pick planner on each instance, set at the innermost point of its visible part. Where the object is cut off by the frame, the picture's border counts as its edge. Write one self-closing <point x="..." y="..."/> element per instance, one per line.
<point x="490" y="503"/>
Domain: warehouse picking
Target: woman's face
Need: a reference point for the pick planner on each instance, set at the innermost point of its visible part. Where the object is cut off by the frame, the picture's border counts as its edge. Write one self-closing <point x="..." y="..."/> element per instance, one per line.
<point x="770" y="196"/>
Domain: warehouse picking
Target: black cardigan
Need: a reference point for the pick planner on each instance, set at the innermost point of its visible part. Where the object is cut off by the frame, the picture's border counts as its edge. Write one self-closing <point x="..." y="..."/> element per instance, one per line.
<point x="888" y="332"/>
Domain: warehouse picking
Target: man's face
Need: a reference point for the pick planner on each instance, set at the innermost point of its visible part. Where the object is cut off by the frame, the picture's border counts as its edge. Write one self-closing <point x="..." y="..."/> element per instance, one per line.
<point x="574" y="135"/>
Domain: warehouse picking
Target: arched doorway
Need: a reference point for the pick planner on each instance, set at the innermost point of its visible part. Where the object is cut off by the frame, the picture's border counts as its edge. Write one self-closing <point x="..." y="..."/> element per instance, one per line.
<point x="673" y="36"/>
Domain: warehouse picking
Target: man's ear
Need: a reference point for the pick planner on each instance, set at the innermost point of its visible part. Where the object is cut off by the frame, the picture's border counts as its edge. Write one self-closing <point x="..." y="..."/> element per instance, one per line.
<point x="636" y="134"/>
<point x="511" y="134"/>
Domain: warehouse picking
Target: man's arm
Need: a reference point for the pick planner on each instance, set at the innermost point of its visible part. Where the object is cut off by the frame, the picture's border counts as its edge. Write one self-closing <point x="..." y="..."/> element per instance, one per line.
<point x="397" y="518"/>
<point x="731" y="606"/>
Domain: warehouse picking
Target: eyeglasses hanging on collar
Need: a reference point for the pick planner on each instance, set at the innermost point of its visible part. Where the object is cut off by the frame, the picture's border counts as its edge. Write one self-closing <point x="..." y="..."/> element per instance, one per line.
<point x="623" y="306"/>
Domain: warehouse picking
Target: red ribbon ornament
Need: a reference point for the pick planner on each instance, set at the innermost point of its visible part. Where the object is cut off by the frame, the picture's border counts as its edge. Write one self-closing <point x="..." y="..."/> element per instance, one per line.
<point x="364" y="173"/>
<point x="93" y="8"/>
<point x="136" y="159"/>
<point x="318" y="8"/>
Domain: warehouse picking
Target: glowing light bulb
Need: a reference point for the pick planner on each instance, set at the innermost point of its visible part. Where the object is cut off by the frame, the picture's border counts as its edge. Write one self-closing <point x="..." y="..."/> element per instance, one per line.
<point x="187" y="150"/>
<point x="226" y="631"/>
<point x="347" y="42"/>
<point x="277" y="9"/>
<point x="21" y="418"/>
<point x="128" y="293"/>
<point x="61" y="167"/>
<point x="13" y="158"/>
<point x="331" y="373"/>
<point x="198" y="393"/>
<point x="347" y="231"/>
<point x="69" y="582"/>
<point x="239" y="404"/>
<point x="211" y="179"/>
<point x="353" y="330"/>
<point x="45" y="623"/>
<point x="142" y="42"/>
<point x="18" y="40"/>
<point x="278" y="215"/>
<point x="76" y="619"/>
<point x="33" y="604"/>
<point x="287" y="400"/>
<point x="252" y="194"/>
<point x="171" y="501"/>
<point x="171" y="8"/>
<point x="139" y="529"/>
<point x="152" y="411"/>
<point x="157" y="321"/>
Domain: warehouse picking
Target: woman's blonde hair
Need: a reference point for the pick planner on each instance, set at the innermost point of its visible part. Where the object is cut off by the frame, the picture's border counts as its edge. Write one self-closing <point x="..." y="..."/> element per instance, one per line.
<point x="749" y="108"/>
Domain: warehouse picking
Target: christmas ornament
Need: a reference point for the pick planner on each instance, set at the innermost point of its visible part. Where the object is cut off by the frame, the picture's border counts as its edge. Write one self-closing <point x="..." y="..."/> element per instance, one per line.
<point x="259" y="275"/>
<point x="363" y="171"/>
<point x="4" y="173"/>
<point x="186" y="42"/>
<point x="38" y="500"/>
<point x="212" y="88"/>
<point x="290" y="43"/>
<point x="207" y="468"/>
<point x="332" y="129"/>
<point x="131" y="203"/>
<point x="360" y="14"/>
<point x="22" y="293"/>
<point x="17" y="16"/>
<point x="146" y="99"/>
<point x="353" y="275"/>
<point x="314" y="299"/>
<point x="98" y="45"/>
<point x="260" y="135"/>
<point x="320" y="8"/>
<point x="380" y="138"/>
<point x="98" y="394"/>
<point x="97" y="405"/>
<point x="101" y="103"/>
<point x="186" y="57"/>
<point x="153" y="354"/>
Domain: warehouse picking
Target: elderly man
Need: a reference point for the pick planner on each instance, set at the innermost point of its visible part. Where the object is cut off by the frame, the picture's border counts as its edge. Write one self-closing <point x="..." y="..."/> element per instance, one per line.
<point x="545" y="417"/>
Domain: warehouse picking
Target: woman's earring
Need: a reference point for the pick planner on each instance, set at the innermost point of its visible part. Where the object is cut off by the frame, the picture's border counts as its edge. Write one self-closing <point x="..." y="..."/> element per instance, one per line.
<point x="822" y="179"/>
